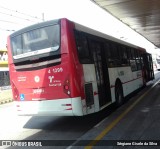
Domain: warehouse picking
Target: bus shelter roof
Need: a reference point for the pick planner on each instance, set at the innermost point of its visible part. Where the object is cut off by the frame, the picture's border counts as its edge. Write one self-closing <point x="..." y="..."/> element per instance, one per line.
<point x="140" y="15"/>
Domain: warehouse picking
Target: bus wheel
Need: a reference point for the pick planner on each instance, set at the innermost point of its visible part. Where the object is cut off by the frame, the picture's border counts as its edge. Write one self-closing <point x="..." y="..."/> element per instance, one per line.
<point x="119" y="94"/>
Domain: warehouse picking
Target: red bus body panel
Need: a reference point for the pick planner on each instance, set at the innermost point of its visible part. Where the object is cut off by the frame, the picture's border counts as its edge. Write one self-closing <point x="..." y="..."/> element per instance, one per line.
<point x="48" y="83"/>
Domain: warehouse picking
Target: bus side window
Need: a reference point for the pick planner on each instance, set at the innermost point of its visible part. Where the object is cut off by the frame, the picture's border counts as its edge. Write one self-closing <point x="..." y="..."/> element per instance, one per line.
<point x="141" y="59"/>
<point x="123" y="56"/>
<point x="128" y="55"/>
<point x="115" y="55"/>
<point x="133" y="60"/>
<point x="138" y="61"/>
<point x="82" y="48"/>
<point x="108" y="53"/>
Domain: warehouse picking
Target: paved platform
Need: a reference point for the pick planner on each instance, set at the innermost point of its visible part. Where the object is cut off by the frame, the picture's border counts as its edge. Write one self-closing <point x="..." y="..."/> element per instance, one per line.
<point x="5" y="96"/>
<point x="135" y="125"/>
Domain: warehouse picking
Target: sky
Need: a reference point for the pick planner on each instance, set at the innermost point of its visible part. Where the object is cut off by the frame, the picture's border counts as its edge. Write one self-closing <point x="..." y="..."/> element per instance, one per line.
<point x="84" y="12"/>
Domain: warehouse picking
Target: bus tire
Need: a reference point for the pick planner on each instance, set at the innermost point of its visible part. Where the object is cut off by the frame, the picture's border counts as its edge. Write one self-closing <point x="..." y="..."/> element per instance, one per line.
<point x="119" y="94"/>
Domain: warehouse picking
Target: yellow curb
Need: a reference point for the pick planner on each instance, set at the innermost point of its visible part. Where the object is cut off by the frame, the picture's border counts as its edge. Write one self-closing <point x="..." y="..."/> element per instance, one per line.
<point x="117" y="120"/>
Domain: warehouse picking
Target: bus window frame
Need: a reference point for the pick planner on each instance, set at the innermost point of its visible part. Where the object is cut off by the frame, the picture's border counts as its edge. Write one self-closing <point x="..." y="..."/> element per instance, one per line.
<point x="83" y="59"/>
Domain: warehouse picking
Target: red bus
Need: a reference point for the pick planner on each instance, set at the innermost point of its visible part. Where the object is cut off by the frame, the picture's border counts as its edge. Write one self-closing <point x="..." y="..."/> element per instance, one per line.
<point x="62" y="68"/>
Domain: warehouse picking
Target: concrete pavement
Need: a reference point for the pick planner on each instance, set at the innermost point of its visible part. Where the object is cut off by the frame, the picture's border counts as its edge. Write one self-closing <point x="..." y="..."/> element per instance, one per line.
<point x="135" y="125"/>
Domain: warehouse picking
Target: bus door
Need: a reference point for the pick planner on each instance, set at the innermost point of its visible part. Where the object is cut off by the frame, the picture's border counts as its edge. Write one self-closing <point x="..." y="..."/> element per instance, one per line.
<point x="101" y="72"/>
<point x="148" y="66"/>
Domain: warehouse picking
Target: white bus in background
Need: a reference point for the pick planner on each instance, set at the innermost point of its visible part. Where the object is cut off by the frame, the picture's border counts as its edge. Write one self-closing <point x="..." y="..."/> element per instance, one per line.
<point x="156" y="61"/>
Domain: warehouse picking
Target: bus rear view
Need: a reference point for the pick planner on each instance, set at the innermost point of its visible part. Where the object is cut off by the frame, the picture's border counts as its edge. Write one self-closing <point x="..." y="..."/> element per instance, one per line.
<point x="40" y="70"/>
<point x="62" y="68"/>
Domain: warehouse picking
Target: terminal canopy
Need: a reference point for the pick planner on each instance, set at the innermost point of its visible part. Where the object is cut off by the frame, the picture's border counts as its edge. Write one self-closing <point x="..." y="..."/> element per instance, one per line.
<point x="143" y="16"/>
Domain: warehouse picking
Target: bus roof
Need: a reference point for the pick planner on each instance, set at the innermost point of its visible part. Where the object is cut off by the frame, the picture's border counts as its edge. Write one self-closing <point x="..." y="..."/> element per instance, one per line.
<point x="34" y="26"/>
<point x="105" y="36"/>
<point x="78" y="27"/>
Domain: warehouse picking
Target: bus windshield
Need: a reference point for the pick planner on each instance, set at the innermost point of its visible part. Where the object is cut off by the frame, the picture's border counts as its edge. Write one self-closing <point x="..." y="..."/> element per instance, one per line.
<point x="35" y="42"/>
